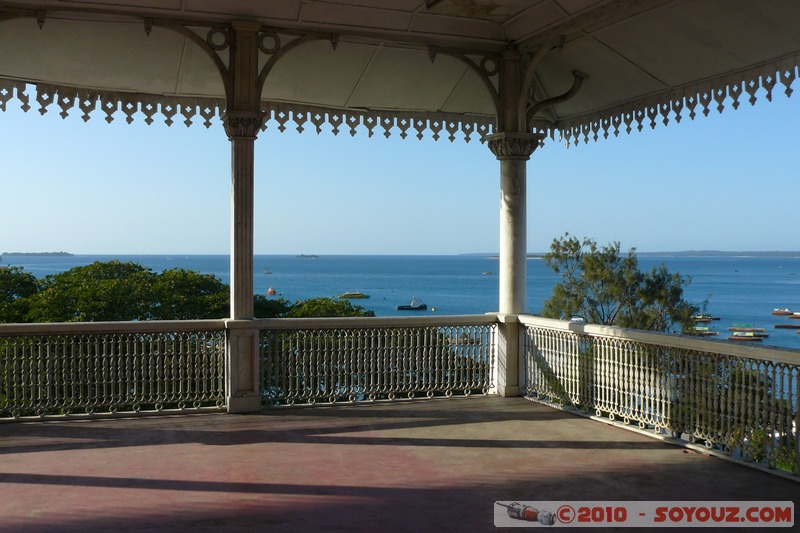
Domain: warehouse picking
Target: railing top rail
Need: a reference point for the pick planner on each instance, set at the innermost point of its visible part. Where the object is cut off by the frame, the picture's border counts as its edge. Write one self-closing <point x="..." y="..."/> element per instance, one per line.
<point x="375" y="322"/>
<point x="779" y="355"/>
<point x="156" y="326"/>
<point x="145" y="326"/>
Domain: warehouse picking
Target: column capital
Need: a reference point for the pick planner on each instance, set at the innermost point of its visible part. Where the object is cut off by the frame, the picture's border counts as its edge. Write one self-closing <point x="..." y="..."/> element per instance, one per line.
<point x="514" y="145"/>
<point x="242" y="124"/>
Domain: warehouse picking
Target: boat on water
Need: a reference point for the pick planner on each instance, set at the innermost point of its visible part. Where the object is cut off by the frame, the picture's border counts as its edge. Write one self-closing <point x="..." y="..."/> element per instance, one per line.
<point x="415" y="305"/>
<point x="746" y="336"/>
<point x="271" y="291"/>
<point x="781" y="311"/>
<point x="787" y="326"/>
<point x="747" y="328"/>
<point x="704" y="331"/>
<point x="794" y="315"/>
<point x="703" y="317"/>
<point x="353" y="295"/>
<point x="747" y="332"/>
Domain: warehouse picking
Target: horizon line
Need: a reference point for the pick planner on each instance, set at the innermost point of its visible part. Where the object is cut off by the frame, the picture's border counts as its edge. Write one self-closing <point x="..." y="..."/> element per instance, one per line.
<point x="490" y="254"/>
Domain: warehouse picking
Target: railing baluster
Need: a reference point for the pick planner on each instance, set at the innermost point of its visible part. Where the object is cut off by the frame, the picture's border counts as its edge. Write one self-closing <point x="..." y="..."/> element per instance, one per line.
<point x="736" y="401"/>
<point x="364" y="362"/>
<point x="76" y="371"/>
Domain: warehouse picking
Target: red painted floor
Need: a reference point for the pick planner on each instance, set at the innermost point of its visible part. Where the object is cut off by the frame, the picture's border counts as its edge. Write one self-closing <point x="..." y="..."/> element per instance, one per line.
<point x="426" y="465"/>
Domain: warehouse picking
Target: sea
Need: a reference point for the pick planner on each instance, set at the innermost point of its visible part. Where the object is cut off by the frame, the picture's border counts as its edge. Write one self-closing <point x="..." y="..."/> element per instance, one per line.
<point x="737" y="289"/>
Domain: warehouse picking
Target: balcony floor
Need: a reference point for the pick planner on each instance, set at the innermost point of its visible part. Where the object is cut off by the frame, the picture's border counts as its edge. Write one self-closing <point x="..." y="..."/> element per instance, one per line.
<point x="424" y="465"/>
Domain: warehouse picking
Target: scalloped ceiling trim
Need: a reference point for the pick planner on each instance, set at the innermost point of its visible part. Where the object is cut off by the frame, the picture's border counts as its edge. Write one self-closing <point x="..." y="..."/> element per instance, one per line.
<point x="673" y="105"/>
<point x="678" y="103"/>
<point x="111" y="105"/>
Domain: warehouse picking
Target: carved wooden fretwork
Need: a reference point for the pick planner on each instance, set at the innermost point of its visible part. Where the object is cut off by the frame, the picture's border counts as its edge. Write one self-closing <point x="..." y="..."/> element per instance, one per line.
<point x="678" y="103"/>
<point x="688" y="101"/>
<point x="132" y="106"/>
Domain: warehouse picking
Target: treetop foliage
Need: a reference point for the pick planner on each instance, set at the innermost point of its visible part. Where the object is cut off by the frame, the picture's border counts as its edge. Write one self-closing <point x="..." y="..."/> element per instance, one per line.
<point x="124" y="291"/>
<point x="603" y="286"/>
<point x="323" y="307"/>
<point x="16" y="286"/>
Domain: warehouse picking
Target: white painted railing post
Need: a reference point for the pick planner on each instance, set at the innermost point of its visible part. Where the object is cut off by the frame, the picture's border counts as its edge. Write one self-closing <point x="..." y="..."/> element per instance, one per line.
<point x="243" y="378"/>
<point x="508" y="369"/>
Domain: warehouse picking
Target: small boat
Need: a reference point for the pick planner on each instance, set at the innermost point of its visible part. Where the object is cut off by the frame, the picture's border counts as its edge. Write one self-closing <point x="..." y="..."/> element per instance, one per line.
<point x="266" y="271"/>
<point x="781" y="311"/>
<point x="353" y="294"/>
<point x="703" y="317"/>
<point x="415" y="305"/>
<point x="794" y="315"/>
<point x="271" y="291"/>
<point x="745" y="336"/>
<point x="787" y="326"/>
<point x="704" y="331"/>
<point x="749" y="328"/>
<point x="487" y="273"/>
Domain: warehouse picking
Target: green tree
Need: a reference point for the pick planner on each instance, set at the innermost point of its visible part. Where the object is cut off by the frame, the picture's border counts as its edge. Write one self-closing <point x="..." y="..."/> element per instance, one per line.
<point x="180" y="294"/>
<point x="326" y="307"/>
<point x="120" y="291"/>
<point x="16" y="286"/>
<point x="101" y="291"/>
<point x="271" y="307"/>
<point x="605" y="287"/>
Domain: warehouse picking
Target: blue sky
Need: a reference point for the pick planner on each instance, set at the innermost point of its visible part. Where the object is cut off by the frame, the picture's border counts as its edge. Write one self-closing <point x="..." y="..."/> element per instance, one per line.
<point x="724" y="182"/>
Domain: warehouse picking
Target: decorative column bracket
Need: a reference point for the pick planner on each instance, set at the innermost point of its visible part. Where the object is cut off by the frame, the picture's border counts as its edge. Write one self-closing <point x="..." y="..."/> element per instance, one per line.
<point x="243" y="124"/>
<point x="514" y="145"/>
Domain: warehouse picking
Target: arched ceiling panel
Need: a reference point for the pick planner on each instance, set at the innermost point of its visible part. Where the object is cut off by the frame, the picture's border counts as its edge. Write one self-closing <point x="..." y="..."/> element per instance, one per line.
<point x="407" y="79"/>
<point x="695" y="49"/>
<point x="469" y="94"/>
<point x="599" y="90"/>
<point x="115" y="56"/>
<point x="314" y="73"/>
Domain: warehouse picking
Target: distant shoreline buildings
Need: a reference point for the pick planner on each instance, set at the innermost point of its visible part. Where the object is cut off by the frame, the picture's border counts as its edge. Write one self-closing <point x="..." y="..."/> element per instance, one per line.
<point x="53" y="254"/>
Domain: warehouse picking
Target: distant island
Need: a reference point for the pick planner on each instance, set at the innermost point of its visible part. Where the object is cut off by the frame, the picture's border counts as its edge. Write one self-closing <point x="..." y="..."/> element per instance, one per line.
<point x="53" y="254"/>
<point x="685" y="253"/>
<point x="720" y="253"/>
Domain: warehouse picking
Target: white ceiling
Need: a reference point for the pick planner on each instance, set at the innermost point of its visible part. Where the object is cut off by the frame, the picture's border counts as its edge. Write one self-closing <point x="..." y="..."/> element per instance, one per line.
<point x="635" y="52"/>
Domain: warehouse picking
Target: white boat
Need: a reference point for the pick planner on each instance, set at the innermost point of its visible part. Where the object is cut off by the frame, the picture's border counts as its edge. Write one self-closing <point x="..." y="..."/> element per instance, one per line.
<point x="746" y="336"/>
<point x="415" y="305"/>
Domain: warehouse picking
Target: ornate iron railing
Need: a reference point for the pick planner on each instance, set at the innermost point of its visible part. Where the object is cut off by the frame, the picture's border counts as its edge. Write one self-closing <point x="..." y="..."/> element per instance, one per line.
<point x="49" y="370"/>
<point x="739" y="401"/>
<point x="308" y="361"/>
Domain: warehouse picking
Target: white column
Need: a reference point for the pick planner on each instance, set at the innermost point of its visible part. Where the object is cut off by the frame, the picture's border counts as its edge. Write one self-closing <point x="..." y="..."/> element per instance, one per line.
<point x="512" y="146"/>
<point x="241" y="128"/>
<point x="513" y="151"/>
<point x="242" y="121"/>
